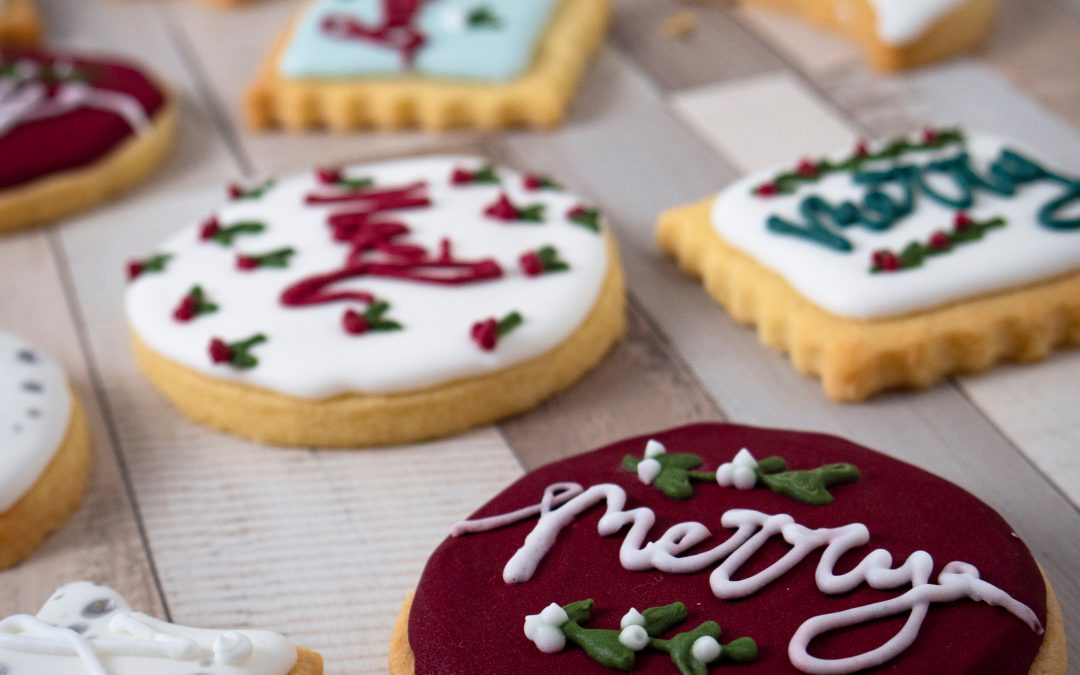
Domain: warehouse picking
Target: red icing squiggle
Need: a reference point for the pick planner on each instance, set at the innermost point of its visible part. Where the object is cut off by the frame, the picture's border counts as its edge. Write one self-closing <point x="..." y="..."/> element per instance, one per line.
<point x="906" y="509"/>
<point x="45" y="147"/>
<point x="369" y="234"/>
<point x="398" y="30"/>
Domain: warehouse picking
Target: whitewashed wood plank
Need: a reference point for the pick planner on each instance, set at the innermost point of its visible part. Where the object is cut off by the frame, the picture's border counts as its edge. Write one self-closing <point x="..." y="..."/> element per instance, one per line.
<point x="102" y="540"/>
<point x="666" y="165"/>
<point x="732" y="115"/>
<point x="799" y="41"/>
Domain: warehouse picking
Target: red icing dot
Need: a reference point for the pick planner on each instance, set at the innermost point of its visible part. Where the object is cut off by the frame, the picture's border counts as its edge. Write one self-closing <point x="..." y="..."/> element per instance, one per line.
<point x="328" y="176"/>
<point x="503" y="209"/>
<point x="886" y="260"/>
<point x="355" y="323"/>
<point x="533" y="182"/>
<point x="134" y="269"/>
<point x="235" y="191"/>
<point x="211" y="226"/>
<point x="531" y="264"/>
<point x="939" y="240"/>
<point x="861" y="149"/>
<point x="246" y="262"/>
<point x="963" y="222"/>
<point x="185" y="311"/>
<point x="486" y="334"/>
<point x="220" y="352"/>
<point x="766" y="190"/>
<point x="807" y="168"/>
<point x="930" y="136"/>
<point x="461" y="177"/>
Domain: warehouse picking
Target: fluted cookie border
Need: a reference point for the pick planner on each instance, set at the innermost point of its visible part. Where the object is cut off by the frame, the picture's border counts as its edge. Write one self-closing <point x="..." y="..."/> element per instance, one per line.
<point x="856" y="358"/>
<point x="957" y="32"/>
<point x="538" y="98"/>
<point x="364" y="420"/>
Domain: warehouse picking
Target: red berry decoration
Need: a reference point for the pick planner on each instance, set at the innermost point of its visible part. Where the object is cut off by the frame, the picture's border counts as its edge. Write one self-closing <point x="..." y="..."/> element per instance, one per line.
<point x="807" y="169"/>
<point x="930" y="136"/>
<point x="766" y="190"/>
<point x="210" y="228"/>
<point x="486" y="333"/>
<point x="862" y="150"/>
<point x="193" y="304"/>
<point x="531" y="264"/>
<point x="328" y="176"/>
<point x="886" y="260"/>
<point x="235" y="191"/>
<point x="236" y="354"/>
<point x="355" y="323"/>
<point x="483" y="175"/>
<point x="461" y="177"/>
<point x="156" y="263"/>
<point x="505" y="210"/>
<point x="940" y="241"/>
<point x="246" y="262"/>
<point x="219" y="351"/>
<point x="963" y="222"/>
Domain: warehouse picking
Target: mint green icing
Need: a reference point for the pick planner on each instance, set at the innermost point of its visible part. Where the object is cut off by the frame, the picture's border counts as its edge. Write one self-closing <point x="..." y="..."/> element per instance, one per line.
<point x="456" y="48"/>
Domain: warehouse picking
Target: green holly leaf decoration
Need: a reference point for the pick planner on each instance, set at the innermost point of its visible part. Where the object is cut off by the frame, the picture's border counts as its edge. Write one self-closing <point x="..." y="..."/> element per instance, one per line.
<point x="671" y="473"/>
<point x="809" y="487"/>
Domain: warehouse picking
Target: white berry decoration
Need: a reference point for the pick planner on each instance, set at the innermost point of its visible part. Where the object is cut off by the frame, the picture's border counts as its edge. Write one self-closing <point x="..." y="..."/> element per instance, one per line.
<point x="740" y="472"/>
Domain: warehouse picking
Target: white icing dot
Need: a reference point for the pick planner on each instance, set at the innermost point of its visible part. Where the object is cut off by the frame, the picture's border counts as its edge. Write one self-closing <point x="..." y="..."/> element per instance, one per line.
<point x="634" y="637"/>
<point x="232" y="648"/>
<point x="648" y="470"/>
<point x="725" y="475"/>
<point x="654" y="448"/>
<point x="744" y="478"/>
<point x="706" y="649"/>
<point x="545" y="629"/>
<point x="632" y="618"/>
<point x="554" y="615"/>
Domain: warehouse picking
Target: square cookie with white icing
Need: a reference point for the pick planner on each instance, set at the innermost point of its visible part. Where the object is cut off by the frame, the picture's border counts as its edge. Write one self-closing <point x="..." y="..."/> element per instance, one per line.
<point x="898" y="34"/>
<point x="435" y="64"/>
<point x="895" y="264"/>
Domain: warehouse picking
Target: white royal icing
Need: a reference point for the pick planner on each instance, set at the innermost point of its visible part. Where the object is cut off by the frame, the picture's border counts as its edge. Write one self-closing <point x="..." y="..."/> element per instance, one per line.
<point x="903" y="21"/>
<point x="562" y="503"/>
<point x="24" y="97"/>
<point x="307" y="354"/>
<point x="634" y="638"/>
<point x="1022" y="252"/>
<point x="86" y="628"/>
<point x="544" y="629"/>
<point x="741" y="472"/>
<point x="35" y="411"/>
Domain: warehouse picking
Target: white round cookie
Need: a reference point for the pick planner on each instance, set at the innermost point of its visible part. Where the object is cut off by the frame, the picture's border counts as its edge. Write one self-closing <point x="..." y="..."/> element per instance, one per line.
<point x="307" y="354"/>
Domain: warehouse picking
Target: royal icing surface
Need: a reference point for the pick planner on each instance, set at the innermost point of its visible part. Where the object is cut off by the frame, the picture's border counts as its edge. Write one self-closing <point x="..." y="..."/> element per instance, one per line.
<point x="35" y="410"/>
<point x="313" y="350"/>
<point x="86" y="628"/>
<point x="485" y="40"/>
<point x="1021" y="251"/>
<point x="903" y="21"/>
<point x="903" y="568"/>
<point x="62" y="111"/>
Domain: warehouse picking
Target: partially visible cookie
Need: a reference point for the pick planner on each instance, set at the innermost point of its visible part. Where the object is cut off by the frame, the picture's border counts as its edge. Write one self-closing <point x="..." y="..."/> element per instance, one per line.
<point x="436" y="64"/>
<point x="20" y="23"/>
<point x="897" y="34"/>
<point x="895" y="264"/>
<point x="75" y="131"/>
<point x="718" y="548"/>
<point x="86" y="627"/>
<point x="46" y="447"/>
<point x="378" y="303"/>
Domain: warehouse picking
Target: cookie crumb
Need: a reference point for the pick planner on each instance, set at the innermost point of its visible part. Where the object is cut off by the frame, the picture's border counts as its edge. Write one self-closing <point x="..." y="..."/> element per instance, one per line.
<point x="678" y="26"/>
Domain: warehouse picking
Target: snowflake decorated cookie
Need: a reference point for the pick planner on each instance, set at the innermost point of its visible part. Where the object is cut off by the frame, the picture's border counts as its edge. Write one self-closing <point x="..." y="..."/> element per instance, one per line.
<point x="74" y="131"/>
<point x="46" y="449"/>
<point x="87" y="628"/>
<point x="20" y="23"/>
<point x="895" y="264"/>
<point x="378" y="303"/>
<point x="897" y="34"/>
<point x="436" y="64"/>
<point x="748" y="550"/>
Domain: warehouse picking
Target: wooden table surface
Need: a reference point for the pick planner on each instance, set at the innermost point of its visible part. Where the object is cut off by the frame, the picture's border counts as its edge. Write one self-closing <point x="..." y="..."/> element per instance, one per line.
<point x="323" y="546"/>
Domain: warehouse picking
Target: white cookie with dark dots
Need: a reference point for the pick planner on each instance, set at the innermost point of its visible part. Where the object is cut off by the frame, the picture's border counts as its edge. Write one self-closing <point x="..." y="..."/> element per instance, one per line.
<point x="35" y="413"/>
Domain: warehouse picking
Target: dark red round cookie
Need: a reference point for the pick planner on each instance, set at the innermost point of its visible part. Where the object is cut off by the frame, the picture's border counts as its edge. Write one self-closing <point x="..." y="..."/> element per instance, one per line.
<point x="465" y="619"/>
<point x="40" y="148"/>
